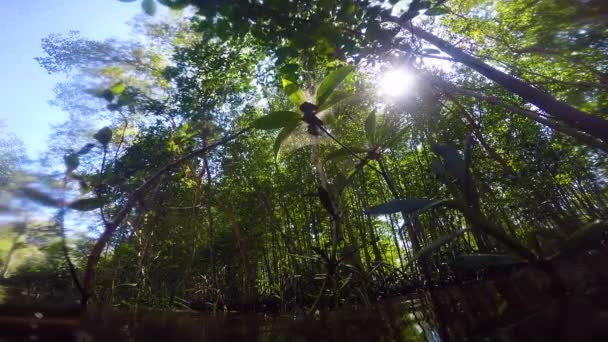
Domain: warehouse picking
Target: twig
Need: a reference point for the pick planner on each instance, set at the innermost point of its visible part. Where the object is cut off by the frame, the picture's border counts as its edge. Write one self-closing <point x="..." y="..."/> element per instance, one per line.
<point x="362" y="160"/>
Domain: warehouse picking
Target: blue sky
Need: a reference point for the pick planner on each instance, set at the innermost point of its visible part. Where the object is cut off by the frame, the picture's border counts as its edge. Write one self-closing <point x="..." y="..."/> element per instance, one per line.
<point x="25" y="87"/>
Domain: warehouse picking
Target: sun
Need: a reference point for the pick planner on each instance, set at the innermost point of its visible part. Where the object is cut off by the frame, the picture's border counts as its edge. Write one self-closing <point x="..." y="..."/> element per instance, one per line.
<point x="395" y="83"/>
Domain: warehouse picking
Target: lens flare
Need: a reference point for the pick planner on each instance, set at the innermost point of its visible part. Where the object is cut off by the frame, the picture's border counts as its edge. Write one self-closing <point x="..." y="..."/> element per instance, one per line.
<point x="395" y="83"/>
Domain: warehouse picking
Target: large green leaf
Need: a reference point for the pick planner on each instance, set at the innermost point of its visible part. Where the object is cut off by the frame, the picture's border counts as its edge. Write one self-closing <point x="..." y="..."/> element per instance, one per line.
<point x="295" y="94"/>
<point x="370" y="127"/>
<point x="40" y="197"/>
<point x="395" y="138"/>
<point x="435" y="245"/>
<point x="331" y="82"/>
<point x="104" y="136"/>
<point x="277" y="119"/>
<point x="343" y="153"/>
<point x="71" y="161"/>
<point x="399" y="205"/>
<point x="283" y="134"/>
<point x="336" y="98"/>
<point x="86" y="204"/>
<point x="477" y="261"/>
<point x="175" y="4"/>
<point x="86" y="149"/>
<point x="118" y="88"/>
<point x="454" y="163"/>
<point x="149" y="6"/>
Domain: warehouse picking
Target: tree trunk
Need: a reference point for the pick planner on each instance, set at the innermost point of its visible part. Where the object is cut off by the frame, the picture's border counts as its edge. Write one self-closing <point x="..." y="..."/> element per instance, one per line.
<point x="594" y="126"/>
<point x="210" y="221"/>
<point x="569" y="131"/>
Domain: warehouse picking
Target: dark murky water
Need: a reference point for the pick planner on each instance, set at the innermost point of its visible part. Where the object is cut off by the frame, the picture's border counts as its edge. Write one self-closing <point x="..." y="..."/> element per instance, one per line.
<point x="514" y="306"/>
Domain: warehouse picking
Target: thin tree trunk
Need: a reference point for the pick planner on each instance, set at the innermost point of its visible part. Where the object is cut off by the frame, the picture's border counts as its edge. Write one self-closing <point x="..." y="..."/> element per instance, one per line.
<point x="580" y="136"/>
<point x="210" y="221"/>
<point x="594" y="126"/>
<point x="111" y="226"/>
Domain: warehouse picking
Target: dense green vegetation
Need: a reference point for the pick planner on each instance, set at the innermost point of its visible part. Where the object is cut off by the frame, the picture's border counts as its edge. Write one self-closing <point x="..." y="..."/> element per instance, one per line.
<point x="249" y="161"/>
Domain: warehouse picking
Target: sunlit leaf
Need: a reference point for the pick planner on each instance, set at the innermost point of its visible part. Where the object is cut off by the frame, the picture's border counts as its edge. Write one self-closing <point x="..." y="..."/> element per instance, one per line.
<point x="337" y="97"/>
<point x="331" y="82"/>
<point x="281" y="137"/>
<point x="118" y="88"/>
<point x="294" y="93"/>
<point x="277" y="119"/>
<point x="395" y="138"/>
<point x="86" y="204"/>
<point x="40" y="197"/>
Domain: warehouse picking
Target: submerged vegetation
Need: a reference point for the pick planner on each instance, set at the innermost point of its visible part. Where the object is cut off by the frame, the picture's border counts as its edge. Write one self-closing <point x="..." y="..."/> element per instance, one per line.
<point x="304" y="156"/>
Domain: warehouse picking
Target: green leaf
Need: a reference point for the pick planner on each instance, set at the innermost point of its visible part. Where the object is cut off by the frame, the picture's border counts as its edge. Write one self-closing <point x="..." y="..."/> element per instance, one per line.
<point x="331" y="82"/>
<point x="435" y="245"/>
<point x="125" y="99"/>
<point x="477" y="261"/>
<point x="104" y="136"/>
<point x="279" y="119"/>
<point x="86" y="204"/>
<point x="337" y="97"/>
<point x="283" y="134"/>
<point x="149" y="7"/>
<point x="395" y="138"/>
<point x="107" y="94"/>
<point x="118" y="88"/>
<point x="454" y="163"/>
<point x="399" y="205"/>
<point x="342" y="153"/>
<point x="370" y="127"/>
<point x="40" y="197"/>
<point x="174" y="4"/>
<point x="294" y="93"/>
<point x="71" y="161"/>
<point x="437" y="10"/>
<point x="86" y="149"/>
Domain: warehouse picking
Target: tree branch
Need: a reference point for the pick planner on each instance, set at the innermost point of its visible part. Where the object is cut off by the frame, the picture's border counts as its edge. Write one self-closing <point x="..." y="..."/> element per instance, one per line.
<point x="110" y="227"/>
